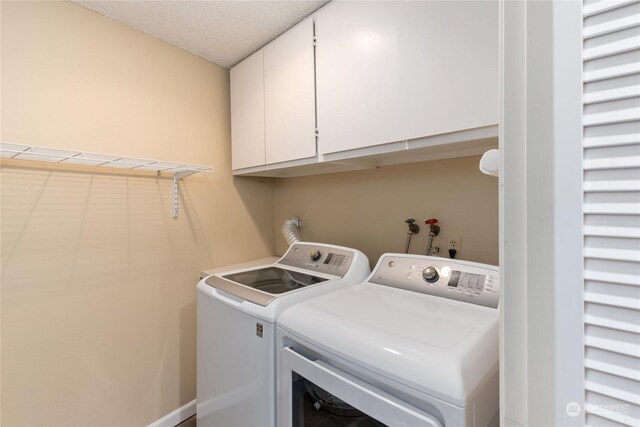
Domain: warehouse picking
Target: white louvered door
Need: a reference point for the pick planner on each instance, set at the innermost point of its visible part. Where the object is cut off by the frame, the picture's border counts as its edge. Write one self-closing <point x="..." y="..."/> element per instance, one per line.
<point x="612" y="212"/>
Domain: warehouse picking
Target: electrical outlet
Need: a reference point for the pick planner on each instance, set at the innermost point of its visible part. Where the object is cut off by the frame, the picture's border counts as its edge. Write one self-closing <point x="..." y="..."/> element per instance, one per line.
<point x="454" y="243"/>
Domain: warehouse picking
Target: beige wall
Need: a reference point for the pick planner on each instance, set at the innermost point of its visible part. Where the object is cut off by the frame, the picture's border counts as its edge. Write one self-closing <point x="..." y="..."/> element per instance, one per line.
<point x="98" y="299"/>
<point x="367" y="209"/>
<point x="97" y="280"/>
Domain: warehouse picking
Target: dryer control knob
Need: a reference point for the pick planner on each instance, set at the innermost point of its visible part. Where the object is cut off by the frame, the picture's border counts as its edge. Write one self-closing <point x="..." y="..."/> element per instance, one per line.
<point x="315" y="255"/>
<point x="430" y="274"/>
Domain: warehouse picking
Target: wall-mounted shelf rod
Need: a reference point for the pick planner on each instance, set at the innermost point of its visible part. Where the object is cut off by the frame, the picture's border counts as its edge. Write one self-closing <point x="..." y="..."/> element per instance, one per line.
<point x="9" y="150"/>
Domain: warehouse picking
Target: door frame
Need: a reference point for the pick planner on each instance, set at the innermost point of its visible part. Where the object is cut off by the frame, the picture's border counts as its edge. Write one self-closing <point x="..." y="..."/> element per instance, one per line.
<point x="541" y="246"/>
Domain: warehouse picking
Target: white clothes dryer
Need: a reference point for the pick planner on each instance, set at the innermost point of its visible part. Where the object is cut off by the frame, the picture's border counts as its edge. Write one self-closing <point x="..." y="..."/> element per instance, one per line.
<point x="237" y="310"/>
<point x="416" y="344"/>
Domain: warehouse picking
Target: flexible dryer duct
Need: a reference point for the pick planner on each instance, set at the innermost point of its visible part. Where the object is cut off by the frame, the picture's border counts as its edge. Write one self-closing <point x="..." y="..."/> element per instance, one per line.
<point x="291" y="230"/>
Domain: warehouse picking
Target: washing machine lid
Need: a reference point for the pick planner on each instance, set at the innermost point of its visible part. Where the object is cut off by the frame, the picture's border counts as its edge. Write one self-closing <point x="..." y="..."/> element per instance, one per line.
<point x="306" y="266"/>
<point x="263" y="285"/>
<point x="437" y="346"/>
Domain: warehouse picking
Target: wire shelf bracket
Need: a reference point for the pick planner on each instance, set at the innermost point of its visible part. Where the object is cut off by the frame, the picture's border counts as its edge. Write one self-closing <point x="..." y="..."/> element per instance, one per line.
<point x="177" y="177"/>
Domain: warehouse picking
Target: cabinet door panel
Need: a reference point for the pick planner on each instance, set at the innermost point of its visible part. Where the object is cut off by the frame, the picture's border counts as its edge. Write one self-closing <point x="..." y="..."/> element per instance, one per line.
<point x="290" y="95"/>
<point x="247" y="113"/>
<point x="392" y="71"/>
<point x="448" y="75"/>
<point x="356" y="60"/>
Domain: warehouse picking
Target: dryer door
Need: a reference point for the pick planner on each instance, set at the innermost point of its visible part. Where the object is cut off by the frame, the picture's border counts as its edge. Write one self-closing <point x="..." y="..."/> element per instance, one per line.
<point x="314" y="391"/>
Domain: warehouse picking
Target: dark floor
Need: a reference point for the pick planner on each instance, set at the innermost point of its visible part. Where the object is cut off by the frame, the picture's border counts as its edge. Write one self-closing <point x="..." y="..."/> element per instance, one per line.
<point x="189" y="422"/>
<point x="314" y="418"/>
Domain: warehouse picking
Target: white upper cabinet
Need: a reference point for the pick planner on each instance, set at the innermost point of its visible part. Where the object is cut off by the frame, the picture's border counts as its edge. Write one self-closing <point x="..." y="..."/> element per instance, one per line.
<point x="247" y="113"/>
<point x="393" y="71"/>
<point x="388" y="82"/>
<point x="289" y="93"/>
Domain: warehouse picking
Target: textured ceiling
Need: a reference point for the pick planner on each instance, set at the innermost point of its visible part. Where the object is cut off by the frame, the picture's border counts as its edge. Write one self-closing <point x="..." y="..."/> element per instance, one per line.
<point x="224" y="32"/>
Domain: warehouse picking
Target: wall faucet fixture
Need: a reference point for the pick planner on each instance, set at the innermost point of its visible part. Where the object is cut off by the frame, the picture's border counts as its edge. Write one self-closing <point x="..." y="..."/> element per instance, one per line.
<point x="413" y="229"/>
<point x="434" y="230"/>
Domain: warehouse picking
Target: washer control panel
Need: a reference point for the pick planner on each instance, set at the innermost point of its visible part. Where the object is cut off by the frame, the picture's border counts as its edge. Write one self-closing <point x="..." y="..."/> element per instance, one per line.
<point x="326" y="259"/>
<point x="448" y="278"/>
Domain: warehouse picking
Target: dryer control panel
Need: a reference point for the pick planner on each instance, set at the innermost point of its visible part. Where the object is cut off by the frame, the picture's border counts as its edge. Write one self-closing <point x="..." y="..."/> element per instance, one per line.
<point x="448" y="278"/>
<point x="323" y="258"/>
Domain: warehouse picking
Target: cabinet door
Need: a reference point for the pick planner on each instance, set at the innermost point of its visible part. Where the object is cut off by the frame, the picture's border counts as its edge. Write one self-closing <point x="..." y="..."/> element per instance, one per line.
<point x="247" y="113"/>
<point x="290" y="95"/>
<point x="392" y="71"/>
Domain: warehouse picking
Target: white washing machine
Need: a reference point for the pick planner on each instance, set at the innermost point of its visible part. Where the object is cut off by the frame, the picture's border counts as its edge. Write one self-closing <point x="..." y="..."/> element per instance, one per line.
<point x="416" y="344"/>
<point x="237" y="311"/>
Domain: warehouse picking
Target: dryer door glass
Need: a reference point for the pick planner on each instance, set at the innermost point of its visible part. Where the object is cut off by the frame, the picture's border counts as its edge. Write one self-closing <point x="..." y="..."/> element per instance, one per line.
<point x="315" y="393"/>
<point x="315" y="407"/>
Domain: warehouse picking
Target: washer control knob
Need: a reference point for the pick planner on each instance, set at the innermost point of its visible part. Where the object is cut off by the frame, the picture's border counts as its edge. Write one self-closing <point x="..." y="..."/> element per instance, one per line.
<point x="315" y="255"/>
<point x="430" y="274"/>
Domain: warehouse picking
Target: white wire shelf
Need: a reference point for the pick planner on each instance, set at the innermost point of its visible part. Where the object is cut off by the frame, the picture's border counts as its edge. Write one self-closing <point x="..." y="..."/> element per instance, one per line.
<point x="9" y="150"/>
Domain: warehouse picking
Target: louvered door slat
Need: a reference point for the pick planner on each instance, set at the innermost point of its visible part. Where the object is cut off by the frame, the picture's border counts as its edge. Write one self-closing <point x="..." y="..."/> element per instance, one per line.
<point x="611" y="363"/>
<point x="615" y="295"/>
<point x="625" y="134"/>
<point x="613" y="418"/>
<point x="616" y="186"/>
<point x="618" y="19"/>
<point x="598" y="7"/>
<point x="612" y="44"/>
<point x="612" y="301"/>
<point x="611" y="72"/>
<point x="613" y="94"/>
<point x="597" y="118"/>
<point x="612" y="89"/>
<point x="610" y="67"/>
<point x="611" y="206"/>
<point x="608" y="316"/>
<point x="613" y="163"/>
<point x="623" y="279"/>
<point x="616" y="392"/>
<point x="593" y="420"/>
<point x="612" y="254"/>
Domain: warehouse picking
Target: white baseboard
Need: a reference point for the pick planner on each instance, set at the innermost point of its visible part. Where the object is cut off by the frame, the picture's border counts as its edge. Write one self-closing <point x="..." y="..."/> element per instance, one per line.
<point x="176" y="417"/>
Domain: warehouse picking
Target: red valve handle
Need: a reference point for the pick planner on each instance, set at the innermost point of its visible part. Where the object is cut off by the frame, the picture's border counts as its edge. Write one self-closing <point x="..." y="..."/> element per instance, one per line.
<point x="431" y="221"/>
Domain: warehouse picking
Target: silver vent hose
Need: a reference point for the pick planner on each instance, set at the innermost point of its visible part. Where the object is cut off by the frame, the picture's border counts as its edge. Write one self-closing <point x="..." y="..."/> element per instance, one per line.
<point x="291" y="230"/>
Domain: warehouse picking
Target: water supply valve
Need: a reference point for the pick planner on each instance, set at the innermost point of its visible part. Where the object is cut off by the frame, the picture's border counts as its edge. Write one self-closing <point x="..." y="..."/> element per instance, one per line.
<point x="413" y="229"/>
<point x="434" y="230"/>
